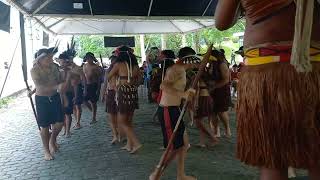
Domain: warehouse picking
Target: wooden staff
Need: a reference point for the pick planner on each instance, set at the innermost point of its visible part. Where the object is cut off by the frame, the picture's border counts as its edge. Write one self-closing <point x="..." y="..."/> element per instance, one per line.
<point x="165" y="156"/>
<point x="30" y="98"/>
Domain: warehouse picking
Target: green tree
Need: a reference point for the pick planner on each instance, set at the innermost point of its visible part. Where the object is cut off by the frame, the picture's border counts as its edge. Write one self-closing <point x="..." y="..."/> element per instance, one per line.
<point x="94" y="44"/>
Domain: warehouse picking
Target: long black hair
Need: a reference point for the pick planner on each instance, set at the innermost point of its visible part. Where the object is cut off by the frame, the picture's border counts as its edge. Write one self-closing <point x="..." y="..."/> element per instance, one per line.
<point x="125" y="54"/>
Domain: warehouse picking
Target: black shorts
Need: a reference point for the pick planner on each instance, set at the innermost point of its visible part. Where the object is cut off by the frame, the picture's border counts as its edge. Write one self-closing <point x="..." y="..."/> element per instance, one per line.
<point x="168" y="117"/>
<point x="69" y="109"/>
<point x="49" y="110"/>
<point x="92" y="93"/>
<point x="79" y="97"/>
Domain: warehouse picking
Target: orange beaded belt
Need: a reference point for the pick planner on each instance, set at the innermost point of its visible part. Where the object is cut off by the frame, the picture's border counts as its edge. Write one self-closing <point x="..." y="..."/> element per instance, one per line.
<point x="275" y="54"/>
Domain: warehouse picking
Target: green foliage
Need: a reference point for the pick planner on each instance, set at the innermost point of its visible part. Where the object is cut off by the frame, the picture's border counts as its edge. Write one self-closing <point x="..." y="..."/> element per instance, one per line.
<point x="4" y="102"/>
<point x="94" y="44"/>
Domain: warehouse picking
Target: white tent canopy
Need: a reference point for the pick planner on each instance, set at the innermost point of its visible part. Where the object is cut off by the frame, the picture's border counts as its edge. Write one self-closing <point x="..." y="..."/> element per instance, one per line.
<point x="123" y="25"/>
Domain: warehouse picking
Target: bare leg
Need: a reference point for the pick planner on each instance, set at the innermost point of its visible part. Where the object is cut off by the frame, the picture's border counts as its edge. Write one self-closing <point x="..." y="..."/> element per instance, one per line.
<point x="224" y="117"/>
<point x="201" y="133"/>
<point x="136" y="145"/>
<point x="88" y="105"/>
<point x="113" y="125"/>
<point x="314" y="173"/>
<point x="273" y="174"/>
<point x="78" y="114"/>
<point x="94" y="112"/>
<point x="56" y="128"/>
<point x="214" y="125"/>
<point x="124" y="127"/>
<point x="68" y="121"/>
<point x="172" y="155"/>
<point x="44" y="132"/>
<point x="181" y="155"/>
<point x="291" y="172"/>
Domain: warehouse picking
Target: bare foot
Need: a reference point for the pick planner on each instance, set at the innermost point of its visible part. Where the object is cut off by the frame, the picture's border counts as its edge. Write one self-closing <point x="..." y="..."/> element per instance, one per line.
<point x="201" y="145"/>
<point x="126" y="148"/>
<point x="135" y="149"/>
<point x="48" y="156"/>
<point x="53" y="148"/>
<point x="77" y="126"/>
<point x="228" y="134"/>
<point x="119" y="138"/>
<point x="57" y="145"/>
<point x="114" y="140"/>
<point x="68" y="135"/>
<point x="93" y="121"/>
<point x="187" y="178"/>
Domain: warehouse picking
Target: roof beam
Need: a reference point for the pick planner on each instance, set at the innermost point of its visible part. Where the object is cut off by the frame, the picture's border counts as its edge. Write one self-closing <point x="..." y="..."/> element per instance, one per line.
<point x="57" y="22"/>
<point x="150" y="7"/>
<point x="176" y="26"/>
<point x="91" y="11"/>
<point x="43" y="26"/>
<point x="70" y="16"/>
<point x="204" y="12"/>
<point x="199" y="23"/>
<point x="19" y="7"/>
<point x="43" y="5"/>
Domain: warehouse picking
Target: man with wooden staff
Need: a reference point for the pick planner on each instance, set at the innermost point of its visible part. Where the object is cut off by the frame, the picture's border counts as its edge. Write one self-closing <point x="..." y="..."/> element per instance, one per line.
<point x="173" y="91"/>
<point x="47" y="77"/>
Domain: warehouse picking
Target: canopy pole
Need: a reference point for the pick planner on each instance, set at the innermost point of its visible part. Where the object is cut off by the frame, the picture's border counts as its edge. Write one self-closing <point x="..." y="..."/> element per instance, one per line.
<point x="184" y="40"/>
<point x="204" y="12"/>
<point x="163" y="42"/>
<point x="150" y="7"/>
<point x="142" y="48"/>
<point x="91" y="11"/>
<point x="23" y="47"/>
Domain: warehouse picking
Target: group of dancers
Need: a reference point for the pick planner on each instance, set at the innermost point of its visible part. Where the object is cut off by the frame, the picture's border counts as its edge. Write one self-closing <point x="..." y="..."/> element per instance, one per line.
<point x="278" y="91"/>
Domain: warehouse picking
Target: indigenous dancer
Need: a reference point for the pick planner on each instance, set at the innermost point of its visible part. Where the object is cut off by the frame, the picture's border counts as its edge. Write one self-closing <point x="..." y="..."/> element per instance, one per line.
<point x="279" y="100"/>
<point x="66" y="93"/>
<point x="219" y="81"/>
<point x="77" y="81"/>
<point x="109" y="91"/>
<point x="173" y="91"/>
<point x="202" y="102"/>
<point x="46" y="77"/>
<point x="126" y="71"/>
<point x="93" y="77"/>
<point x="234" y="79"/>
<point x="166" y="60"/>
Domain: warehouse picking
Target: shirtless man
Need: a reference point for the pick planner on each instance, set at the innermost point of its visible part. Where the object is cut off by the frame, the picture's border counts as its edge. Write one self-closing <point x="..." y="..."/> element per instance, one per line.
<point x="77" y="81"/>
<point x="109" y="96"/>
<point x="126" y="70"/>
<point x="46" y="77"/>
<point x="278" y="91"/>
<point x="66" y="93"/>
<point x="93" y="77"/>
<point x="173" y="87"/>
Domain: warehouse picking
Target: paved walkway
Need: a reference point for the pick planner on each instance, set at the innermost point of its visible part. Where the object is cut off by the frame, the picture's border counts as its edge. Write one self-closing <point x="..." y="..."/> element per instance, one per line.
<point x="89" y="155"/>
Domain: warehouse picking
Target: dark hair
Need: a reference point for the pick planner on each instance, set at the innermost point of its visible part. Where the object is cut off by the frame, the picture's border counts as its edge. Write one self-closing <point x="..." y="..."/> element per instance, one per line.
<point x="166" y="64"/>
<point x="186" y="51"/>
<point x="125" y="54"/>
<point x="235" y="66"/>
<point x="222" y="51"/>
<point x="168" y="54"/>
<point x="89" y="55"/>
<point x="218" y="54"/>
<point x="63" y="56"/>
<point x="51" y="50"/>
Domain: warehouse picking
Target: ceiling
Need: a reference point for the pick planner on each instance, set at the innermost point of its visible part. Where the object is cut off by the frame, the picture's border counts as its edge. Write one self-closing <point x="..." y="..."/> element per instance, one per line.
<point x="119" y="16"/>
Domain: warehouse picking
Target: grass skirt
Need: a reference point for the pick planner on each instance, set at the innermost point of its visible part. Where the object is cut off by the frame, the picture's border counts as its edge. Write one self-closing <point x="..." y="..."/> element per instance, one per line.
<point x="278" y="116"/>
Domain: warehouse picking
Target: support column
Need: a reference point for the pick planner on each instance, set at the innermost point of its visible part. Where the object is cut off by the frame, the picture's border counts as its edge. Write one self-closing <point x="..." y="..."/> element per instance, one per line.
<point x="142" y="48"/>
<point x="163" y="42"/>
<point x="184" y="40"/>
<point x="23" y="47"/>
